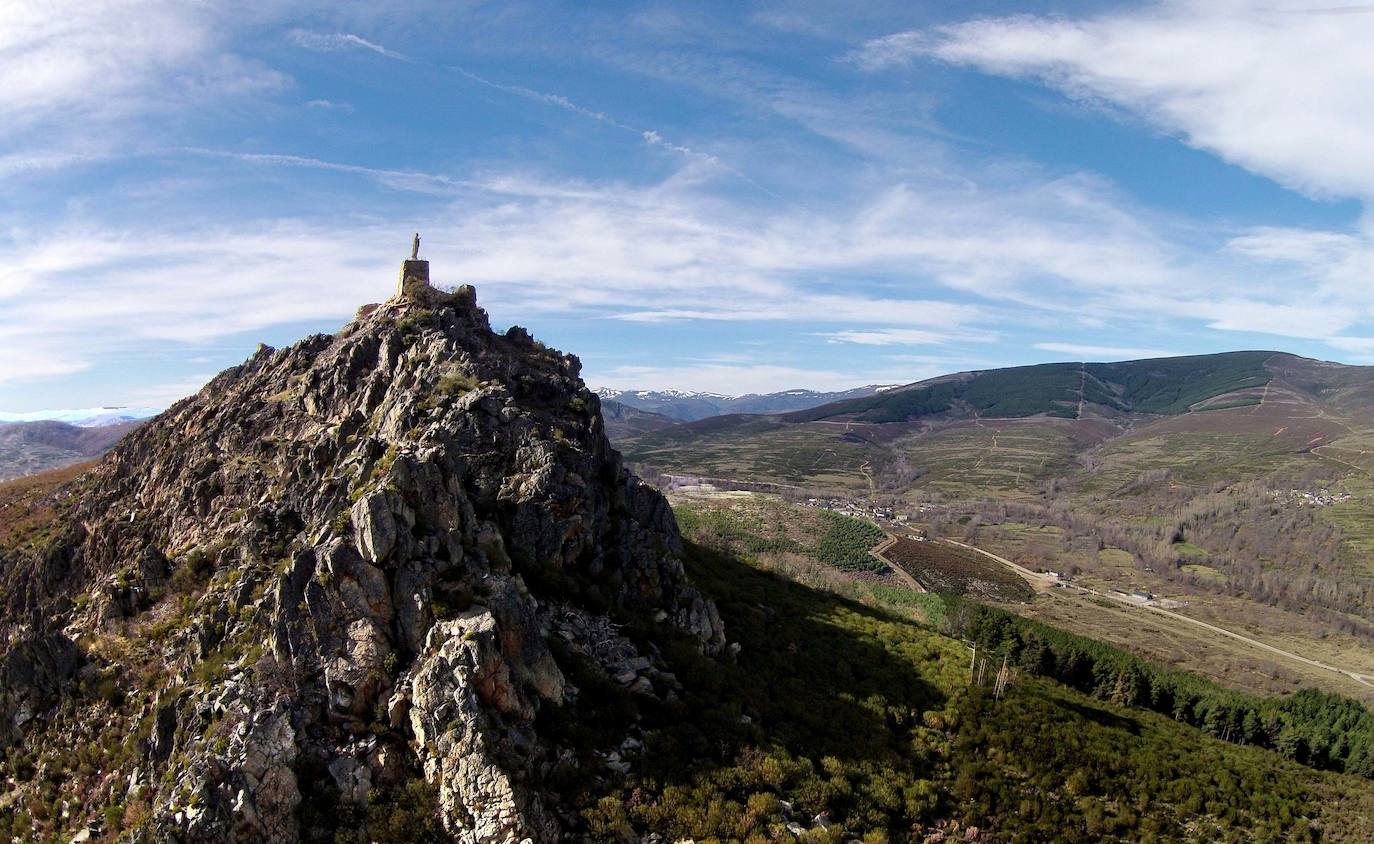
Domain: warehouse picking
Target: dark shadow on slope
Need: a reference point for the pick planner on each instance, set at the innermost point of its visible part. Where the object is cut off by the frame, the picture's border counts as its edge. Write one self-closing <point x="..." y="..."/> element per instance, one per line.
<point x="823" y="698"/>
<point x="1100" y="715"/>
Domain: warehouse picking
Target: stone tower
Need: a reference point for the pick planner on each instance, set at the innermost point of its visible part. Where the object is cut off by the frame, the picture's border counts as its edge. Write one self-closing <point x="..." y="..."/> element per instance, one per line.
<point x="413" y="267"/>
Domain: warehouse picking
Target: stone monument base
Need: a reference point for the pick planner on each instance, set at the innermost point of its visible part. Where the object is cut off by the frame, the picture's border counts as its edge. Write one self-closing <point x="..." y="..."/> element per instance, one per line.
<point x="412" y="269"/>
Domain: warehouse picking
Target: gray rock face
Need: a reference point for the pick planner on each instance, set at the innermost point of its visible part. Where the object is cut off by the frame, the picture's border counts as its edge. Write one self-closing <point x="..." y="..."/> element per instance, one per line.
<point x="376" y="533"/>
<point x="466" y="702"/>
<point x="31" y="675"/>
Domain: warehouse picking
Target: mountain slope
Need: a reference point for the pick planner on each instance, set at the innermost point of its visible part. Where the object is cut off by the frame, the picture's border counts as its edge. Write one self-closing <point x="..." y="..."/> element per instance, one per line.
<point x="1159" y="386"/>
<point x="394" y="585"/>
<point x="1255" y="507"/>
<point x="953" y="425"/>
<point x="623" y="421"/>
<point x="328" y="582"/>
<point x="27" y="448"/>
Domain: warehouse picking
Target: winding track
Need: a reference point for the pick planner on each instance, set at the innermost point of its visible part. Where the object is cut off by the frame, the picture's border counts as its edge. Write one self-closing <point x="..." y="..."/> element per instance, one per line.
<point x="877" y="552"/>
<point x="1041" y="581"/>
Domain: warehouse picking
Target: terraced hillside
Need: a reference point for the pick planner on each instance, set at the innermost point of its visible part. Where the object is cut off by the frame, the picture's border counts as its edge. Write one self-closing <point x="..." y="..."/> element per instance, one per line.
<point x="1249" y="496"/>
<point x="1160" y="385"/>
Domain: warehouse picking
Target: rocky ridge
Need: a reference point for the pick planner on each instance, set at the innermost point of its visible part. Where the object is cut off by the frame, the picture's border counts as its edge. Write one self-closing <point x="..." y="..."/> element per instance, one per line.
<point x="346" y="575"/>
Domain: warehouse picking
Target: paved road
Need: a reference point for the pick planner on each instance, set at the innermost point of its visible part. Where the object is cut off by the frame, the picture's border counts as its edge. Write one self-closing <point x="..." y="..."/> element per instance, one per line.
<point x="1041" y="580"/>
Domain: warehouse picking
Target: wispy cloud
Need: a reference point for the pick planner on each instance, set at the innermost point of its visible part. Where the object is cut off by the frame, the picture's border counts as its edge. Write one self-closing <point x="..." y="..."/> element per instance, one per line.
<point x="737" y="379"/>
<point x="407" y="180"/>
<point x="334" y="42"/>
<point x="86" y="61"/>
<point x="893" y="337"/>
<point x="652" y="137"/>
<point x="1238" y="79"/>
<point x="555" y="100"/>
<point x="330" y="105"/>
<point x="1080" y="351"/>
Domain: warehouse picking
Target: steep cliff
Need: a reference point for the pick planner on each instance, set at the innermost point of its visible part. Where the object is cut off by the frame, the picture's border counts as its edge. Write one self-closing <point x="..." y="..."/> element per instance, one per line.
<point x="329" y="582"/>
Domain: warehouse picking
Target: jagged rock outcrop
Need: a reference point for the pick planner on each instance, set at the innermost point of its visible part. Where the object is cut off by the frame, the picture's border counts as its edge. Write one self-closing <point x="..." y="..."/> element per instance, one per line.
<point x="338" y="567"/>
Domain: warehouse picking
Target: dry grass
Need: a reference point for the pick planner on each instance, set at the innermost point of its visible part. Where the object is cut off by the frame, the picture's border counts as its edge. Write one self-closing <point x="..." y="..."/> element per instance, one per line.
<point x="26" y="504"/>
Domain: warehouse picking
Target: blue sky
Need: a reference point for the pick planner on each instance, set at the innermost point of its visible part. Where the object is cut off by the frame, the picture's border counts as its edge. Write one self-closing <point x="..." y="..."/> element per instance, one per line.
<point x="731" y="197"/>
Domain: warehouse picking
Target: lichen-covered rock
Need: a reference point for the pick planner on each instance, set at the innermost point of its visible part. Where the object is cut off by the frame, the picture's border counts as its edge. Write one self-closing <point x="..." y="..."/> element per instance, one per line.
<point x="346" y="558"/>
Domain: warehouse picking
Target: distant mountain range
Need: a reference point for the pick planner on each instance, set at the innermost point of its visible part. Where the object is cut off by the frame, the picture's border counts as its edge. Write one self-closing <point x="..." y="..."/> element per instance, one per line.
<point x="689" y="406"/>
<point x="50" y="439"/>
<point x="91" y="417"/>
<point x="1278" y="405"/>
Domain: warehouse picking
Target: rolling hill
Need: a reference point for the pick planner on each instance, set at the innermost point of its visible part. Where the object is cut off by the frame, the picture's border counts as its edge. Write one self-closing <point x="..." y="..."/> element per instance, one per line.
<point x="1029" y="423"/>
<point x="30" y="447"/>
<point x="1068" y="390"/>
<point x="1240" y="484"/>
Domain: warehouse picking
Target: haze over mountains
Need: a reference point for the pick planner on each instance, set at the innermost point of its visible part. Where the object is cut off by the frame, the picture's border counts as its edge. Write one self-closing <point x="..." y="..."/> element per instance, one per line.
<point x="90" y="417"/>
<point x="29" y="447"/>
<point x="688" y="406"/>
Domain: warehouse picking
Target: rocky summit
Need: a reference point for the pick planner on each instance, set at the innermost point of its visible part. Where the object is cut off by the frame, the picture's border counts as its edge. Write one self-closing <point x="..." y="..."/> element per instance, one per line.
<point x="345" y="575"/>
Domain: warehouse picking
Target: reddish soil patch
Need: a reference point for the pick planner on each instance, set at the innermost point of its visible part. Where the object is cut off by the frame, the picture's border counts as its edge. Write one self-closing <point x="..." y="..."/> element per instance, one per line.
<point x="940" y="567"/>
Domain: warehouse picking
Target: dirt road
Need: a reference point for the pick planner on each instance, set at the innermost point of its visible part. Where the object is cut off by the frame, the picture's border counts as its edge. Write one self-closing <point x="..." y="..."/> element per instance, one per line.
<point x="877" y="552"/>
<point x="1041" y="582"/>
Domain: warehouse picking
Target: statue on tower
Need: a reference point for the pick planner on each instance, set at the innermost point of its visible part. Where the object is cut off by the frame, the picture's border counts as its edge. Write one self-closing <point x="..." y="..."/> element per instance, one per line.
<point x="413" y="268"/>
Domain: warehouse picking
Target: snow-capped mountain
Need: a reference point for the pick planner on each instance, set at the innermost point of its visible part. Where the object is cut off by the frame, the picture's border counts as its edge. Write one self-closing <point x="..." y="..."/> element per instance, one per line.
<point x="689" y="405"/>
<point x="91" y="417"/>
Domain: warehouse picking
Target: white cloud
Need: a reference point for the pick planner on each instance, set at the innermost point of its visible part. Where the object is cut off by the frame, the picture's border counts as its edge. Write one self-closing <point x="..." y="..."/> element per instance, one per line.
<point x="72" y="299"/>
<point x="333" y="42"/>
<point x="168" y="393"/>
<point x="76" y="61"/>
<point x="876" y="270"/>
<point x="36" y="362"/>
<point x="888" y="337"/>
<point x="1108" y="353"/>
<point x="329" y="105"/>
<point x="1267" y="85"/>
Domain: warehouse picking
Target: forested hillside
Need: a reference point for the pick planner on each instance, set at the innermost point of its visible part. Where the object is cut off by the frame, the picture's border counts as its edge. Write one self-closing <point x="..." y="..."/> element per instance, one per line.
<point x="1160" y="385"/>
<point x="864" y="725"/>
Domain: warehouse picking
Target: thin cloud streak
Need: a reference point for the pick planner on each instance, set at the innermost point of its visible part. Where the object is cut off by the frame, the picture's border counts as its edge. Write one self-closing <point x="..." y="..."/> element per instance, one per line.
<point x="322" y="42"/>
<point x="1102" y="353"/>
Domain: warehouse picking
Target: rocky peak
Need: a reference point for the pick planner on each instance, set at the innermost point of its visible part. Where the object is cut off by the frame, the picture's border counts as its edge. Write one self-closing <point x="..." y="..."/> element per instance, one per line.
<point x="348" y="557"/>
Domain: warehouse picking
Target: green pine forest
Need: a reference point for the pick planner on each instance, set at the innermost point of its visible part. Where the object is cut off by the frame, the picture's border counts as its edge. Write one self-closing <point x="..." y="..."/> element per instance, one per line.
<point x="864" y="718"/>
